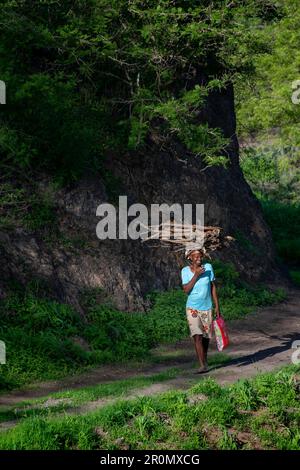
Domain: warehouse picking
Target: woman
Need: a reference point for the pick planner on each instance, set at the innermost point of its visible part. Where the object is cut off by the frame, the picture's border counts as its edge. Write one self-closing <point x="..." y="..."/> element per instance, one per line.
<point x="198" y="283"/>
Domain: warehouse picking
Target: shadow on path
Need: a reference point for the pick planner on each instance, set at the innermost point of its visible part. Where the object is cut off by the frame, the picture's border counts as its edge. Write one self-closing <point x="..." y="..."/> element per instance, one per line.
<point x="260" y="355"/>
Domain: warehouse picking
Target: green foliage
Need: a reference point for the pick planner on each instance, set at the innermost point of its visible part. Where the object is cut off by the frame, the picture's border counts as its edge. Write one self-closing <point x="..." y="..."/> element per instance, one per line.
<point x="225" y="273"/>
<point x="12" y="203"/>
<point x="274" y="176"/>
<point x="268" y="120"/>
<point x="264" y="101"/>
<point x="167" y="321"/>
<point x="284" y="221"/>
<point x="85" y="78"/>
<point x="245" y="396"/>
<point x="42" y="335"/>
<point x="26" y="206"/>
<point x="238" y="298"/>
<point x="37" y="333"/>
<point x="246" y="243"/>
<point x="239" y="302"/>
<point x="295" y="275"/>
<point x="273" y="172"/>
<point x="208" y="387"/>
<point x="125" y="335"/>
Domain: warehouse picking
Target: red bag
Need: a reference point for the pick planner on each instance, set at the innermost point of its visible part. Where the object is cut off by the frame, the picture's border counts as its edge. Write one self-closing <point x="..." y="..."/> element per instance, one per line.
<point x="222" y="338"/>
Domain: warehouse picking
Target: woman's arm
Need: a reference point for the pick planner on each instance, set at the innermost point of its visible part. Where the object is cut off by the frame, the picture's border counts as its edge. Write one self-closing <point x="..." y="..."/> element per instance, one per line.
<point x="189" y="286"/>
<point x="215" y="297"/>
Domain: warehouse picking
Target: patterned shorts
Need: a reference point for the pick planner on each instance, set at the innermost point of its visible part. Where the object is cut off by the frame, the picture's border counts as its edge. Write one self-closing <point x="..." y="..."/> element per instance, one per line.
<point x="200" y="322"/>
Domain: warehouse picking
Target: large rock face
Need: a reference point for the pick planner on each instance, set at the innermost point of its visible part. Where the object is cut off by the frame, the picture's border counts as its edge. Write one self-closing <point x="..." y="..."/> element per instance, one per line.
<point x="128" y="269"/>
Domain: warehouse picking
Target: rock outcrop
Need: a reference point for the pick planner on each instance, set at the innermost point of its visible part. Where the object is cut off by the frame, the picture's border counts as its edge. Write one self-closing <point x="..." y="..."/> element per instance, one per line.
<point x="127" y="269"/>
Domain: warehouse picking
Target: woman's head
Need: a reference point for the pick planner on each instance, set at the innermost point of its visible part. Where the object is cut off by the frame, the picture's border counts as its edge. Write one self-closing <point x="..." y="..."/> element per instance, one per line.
<point x="195" y="256"/>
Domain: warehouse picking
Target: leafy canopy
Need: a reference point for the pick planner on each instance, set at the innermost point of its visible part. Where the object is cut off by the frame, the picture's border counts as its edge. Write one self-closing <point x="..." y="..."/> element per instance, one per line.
<point x="86" y="77"/>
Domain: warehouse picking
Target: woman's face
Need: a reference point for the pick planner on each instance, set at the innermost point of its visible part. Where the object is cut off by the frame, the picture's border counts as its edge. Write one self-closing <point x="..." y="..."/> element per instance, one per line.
<point x="196" y="257"/>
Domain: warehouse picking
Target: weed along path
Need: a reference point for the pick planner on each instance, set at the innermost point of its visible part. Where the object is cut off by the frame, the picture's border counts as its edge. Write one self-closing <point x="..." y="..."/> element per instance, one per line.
<point x="260" y="342"/>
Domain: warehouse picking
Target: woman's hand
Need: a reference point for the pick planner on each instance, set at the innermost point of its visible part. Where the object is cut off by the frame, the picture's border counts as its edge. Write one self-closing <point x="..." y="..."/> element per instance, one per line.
<point x="218" y="313"/>
<point x="197" y="273"/>
<point x="215" y="299"/>
<point x="199" y="270"/>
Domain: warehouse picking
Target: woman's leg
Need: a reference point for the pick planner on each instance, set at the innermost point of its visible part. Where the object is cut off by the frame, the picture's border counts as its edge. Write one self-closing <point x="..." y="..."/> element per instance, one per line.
<point x="197" y="334"/>
<point x="200" y="351"/>
<point x="206" y="326"/>
<point x="205" y="343"/>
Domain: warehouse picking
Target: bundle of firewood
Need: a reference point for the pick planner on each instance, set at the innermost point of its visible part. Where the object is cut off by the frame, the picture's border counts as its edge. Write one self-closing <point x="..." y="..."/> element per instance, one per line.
<point x="185" y="237"/>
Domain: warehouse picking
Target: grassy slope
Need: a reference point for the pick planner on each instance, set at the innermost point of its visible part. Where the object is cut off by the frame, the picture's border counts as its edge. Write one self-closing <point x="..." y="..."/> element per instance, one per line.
<point x="47" y="340"/>
<point x="263" y="412"/>
<point x="69" y="399"/>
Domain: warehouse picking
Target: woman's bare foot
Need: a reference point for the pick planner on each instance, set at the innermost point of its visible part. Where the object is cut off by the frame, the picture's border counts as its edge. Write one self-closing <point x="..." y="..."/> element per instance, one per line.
<point x="202" y="370"/>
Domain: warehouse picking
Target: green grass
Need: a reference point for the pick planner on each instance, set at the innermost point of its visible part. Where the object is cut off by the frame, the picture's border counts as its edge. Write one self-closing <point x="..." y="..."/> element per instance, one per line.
<point x="62" y="401"/>
<point x="48" y="340"/>
<point x="264" y="410"/>
<point x="284" y="221"/>
<point x="295" y="275"/>
<point x="59" y="402"/>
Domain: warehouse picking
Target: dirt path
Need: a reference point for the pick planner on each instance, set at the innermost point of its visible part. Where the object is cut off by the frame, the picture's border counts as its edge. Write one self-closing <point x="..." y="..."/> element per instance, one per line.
<point x="260" y="342"/>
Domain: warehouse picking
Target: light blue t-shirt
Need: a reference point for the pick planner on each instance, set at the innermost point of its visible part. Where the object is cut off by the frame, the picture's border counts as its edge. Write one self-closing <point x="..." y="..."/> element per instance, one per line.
<point x="200" y="296"/>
